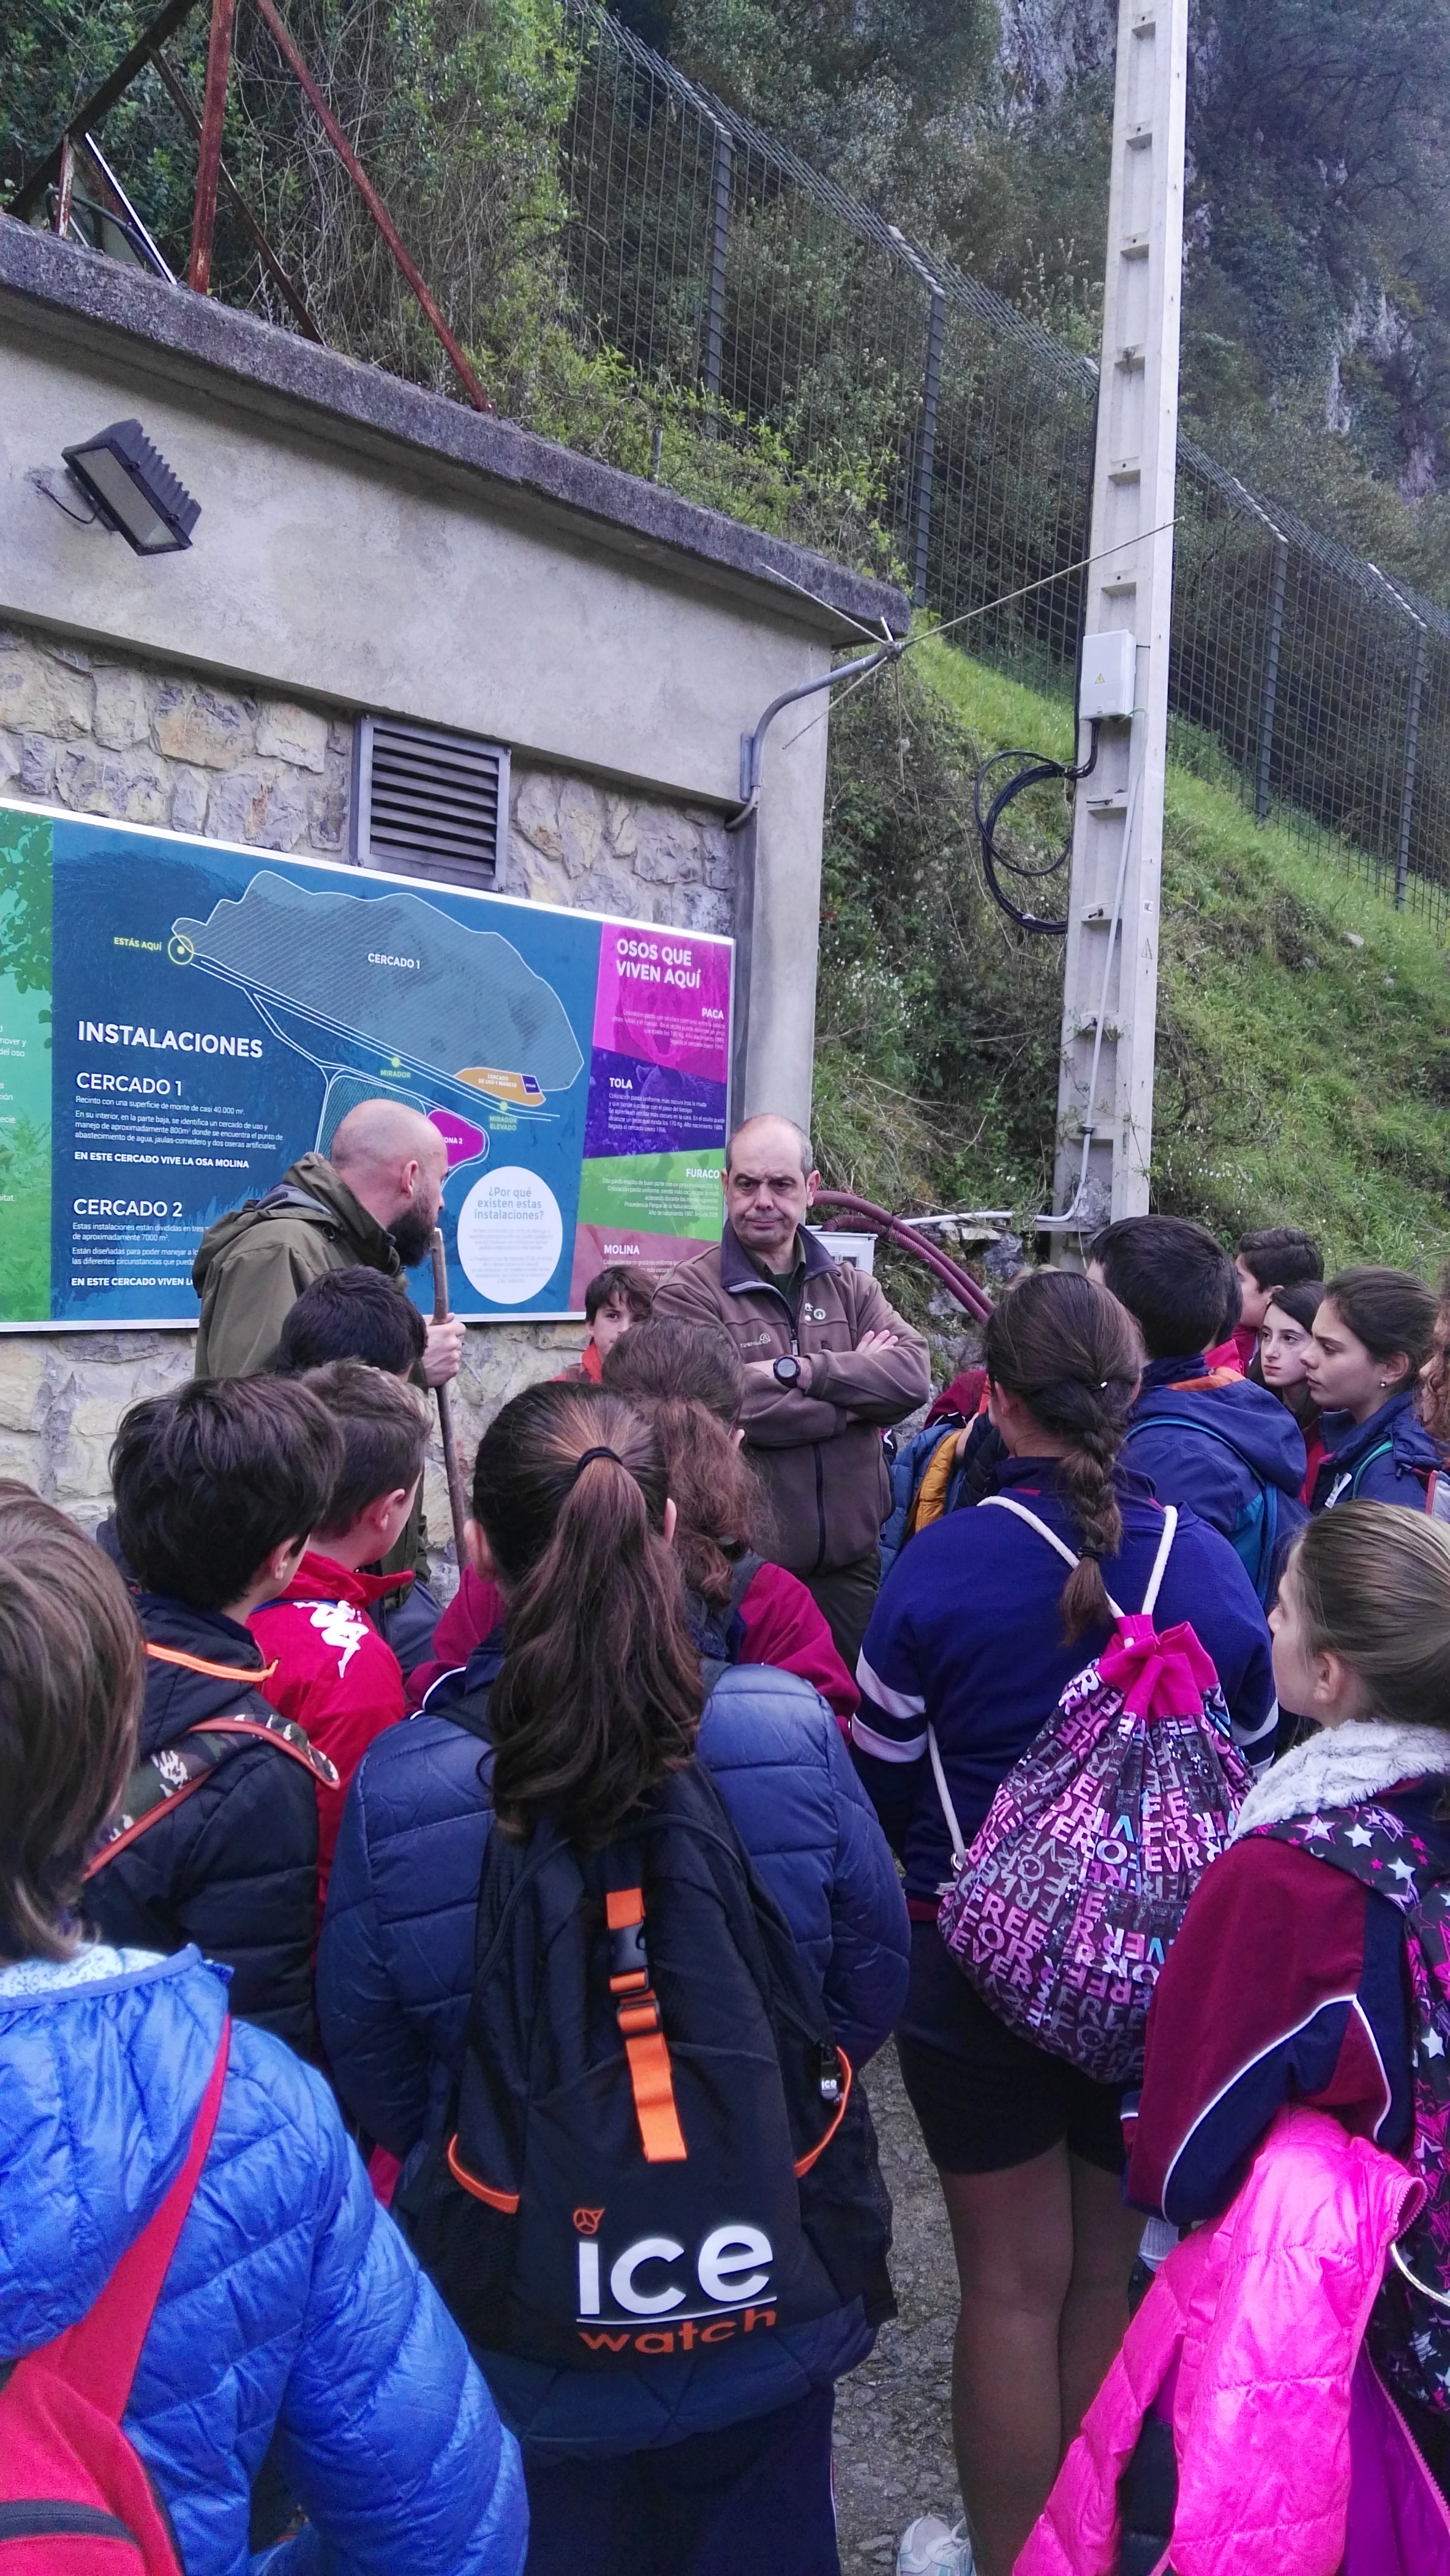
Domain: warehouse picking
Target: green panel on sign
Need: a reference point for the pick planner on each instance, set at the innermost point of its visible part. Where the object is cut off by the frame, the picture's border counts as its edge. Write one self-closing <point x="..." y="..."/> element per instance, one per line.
<point x="25" y="1062"/>
<point x="676" y="1195"/>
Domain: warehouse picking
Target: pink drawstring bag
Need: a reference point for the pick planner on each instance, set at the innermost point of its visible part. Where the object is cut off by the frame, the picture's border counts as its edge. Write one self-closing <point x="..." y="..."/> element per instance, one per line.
<point x="1062" y="1911"/>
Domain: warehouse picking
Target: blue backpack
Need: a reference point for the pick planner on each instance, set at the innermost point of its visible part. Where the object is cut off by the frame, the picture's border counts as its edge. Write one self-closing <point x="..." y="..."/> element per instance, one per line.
<point x="1267" y="1519"/>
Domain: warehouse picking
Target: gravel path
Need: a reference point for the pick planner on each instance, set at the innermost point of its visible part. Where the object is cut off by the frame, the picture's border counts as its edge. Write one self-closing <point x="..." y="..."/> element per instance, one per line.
<point x="893" y="2415"/>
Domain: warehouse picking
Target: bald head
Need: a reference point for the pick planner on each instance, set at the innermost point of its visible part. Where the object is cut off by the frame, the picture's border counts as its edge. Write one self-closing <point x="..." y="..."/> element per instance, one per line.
<point x="382" y="1132"/>
<point x="771" y="1134"/>
<point x="395" y="1163"/>
<point x="769" y="1184"/>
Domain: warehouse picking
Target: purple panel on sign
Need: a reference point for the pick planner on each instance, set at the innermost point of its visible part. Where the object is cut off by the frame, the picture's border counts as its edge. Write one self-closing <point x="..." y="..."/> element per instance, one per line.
<point x="638" y="1108"/>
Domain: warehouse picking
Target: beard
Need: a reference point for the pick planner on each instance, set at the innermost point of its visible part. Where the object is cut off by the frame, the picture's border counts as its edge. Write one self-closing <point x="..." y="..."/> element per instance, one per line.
<point x="412" y="1232"/>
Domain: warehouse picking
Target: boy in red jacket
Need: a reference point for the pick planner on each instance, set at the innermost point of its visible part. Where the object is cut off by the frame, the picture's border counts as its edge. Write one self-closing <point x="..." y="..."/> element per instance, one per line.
<point x="334" y="1673"/>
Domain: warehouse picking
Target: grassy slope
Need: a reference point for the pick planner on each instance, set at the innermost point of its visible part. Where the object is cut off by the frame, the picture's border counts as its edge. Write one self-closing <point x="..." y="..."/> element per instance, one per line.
<point x="1301" y="1080"/>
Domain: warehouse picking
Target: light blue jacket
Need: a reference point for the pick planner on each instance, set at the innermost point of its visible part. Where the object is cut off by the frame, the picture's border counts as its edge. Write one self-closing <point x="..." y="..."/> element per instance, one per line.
<point x="292" y="2306"/>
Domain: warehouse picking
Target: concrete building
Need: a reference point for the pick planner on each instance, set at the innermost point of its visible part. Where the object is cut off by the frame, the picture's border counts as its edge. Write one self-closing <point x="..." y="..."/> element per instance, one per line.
<point x="366" y="548"/>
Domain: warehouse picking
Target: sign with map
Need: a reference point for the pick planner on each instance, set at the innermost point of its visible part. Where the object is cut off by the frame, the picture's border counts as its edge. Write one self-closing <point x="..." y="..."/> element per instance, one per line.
<point x="180" y="1020"/>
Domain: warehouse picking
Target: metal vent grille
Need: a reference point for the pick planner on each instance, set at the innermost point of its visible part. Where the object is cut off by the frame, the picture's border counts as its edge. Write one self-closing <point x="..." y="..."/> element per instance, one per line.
<point x="429" y="804"/>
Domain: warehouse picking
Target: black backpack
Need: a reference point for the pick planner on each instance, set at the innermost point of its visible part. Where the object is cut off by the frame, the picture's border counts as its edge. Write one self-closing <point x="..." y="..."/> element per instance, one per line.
<point x="655" y="2147"/>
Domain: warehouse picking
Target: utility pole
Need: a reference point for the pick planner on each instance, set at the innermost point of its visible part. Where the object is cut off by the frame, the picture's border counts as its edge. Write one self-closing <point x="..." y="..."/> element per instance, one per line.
<point x="1105" y="1097"/>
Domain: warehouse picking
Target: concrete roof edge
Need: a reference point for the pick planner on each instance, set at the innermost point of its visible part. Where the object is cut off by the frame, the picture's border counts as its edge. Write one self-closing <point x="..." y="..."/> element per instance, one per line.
<point x="56" y="276"/>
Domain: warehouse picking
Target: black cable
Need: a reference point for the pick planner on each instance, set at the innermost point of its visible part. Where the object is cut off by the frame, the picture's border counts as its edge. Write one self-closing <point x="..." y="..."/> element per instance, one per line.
<point x="1036" y="773"/>
<point x="92" y="515"/>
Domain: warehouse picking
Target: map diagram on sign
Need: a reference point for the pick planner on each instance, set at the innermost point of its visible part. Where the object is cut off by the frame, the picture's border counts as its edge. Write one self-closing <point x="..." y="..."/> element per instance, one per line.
<point x="386" y="993"/>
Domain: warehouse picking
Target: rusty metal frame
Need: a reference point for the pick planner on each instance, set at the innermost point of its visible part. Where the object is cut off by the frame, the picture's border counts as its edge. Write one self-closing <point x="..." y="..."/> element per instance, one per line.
<point x="66" y="187"/>
<point x="369" y="195"/>
<point x="57" y="168"/>
<point x="289" y="293"/>
<point x="46" y="174"/>
<point x="209" y="153"/>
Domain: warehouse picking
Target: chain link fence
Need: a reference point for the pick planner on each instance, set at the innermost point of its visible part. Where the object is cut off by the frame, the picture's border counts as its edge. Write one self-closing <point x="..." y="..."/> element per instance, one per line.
<point x="601" y="205"/>
<point x="1303" y="678"/>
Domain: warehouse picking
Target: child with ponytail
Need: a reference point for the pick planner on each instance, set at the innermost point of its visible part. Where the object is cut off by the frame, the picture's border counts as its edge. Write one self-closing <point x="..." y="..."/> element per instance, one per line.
<point x="976" y="1634"/>
<point x="578" y="1708"/>
<point x="743" y="1609"/>
<point x="1310" y="1976"/>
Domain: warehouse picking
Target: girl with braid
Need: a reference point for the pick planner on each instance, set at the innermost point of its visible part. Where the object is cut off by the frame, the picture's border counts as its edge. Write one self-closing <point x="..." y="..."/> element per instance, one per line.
<point x="977" y="1631"/>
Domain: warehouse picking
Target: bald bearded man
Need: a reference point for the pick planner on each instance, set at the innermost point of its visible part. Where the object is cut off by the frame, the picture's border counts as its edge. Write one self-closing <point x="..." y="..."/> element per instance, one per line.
<point x="375" y="1202"/>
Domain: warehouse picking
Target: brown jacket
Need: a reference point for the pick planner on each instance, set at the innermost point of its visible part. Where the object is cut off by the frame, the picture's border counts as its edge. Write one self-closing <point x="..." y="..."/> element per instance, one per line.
<point x="819" y="1454"/>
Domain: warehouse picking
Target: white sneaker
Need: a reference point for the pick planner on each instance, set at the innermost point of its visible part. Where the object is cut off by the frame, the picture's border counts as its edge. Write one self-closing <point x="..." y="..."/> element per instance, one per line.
<point x="929" y="2547"/>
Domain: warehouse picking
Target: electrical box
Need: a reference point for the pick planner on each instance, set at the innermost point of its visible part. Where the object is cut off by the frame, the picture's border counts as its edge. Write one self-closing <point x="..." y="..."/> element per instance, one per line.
<point x="1109" y="674"/>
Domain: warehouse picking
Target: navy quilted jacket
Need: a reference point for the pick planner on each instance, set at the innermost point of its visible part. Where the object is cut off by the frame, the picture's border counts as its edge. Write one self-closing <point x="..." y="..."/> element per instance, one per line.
<point x="396" y="1964"/>
<point x="292" y="2305"/>
<point x="233" y="1867"/>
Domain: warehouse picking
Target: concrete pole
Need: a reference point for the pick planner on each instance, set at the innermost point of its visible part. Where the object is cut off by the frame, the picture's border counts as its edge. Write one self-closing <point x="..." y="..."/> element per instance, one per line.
<point x="1105" y="1098"/>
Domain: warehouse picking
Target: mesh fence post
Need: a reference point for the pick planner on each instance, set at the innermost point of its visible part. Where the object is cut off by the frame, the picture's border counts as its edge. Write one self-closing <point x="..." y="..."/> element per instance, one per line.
<point x="1407" y="774"/>
<point x="926" y="456"/>
<point x="719" y="238"/>
<point x="1269" y="694"/>
<point x="936" y="316"/>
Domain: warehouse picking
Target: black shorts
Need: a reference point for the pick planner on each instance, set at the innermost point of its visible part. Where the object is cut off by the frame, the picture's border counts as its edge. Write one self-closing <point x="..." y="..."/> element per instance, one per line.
<point x="985" y="2099"/>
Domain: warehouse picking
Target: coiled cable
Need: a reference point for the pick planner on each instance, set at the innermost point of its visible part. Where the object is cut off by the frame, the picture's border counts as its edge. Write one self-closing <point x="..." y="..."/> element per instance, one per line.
<point x="1036" y="773"/>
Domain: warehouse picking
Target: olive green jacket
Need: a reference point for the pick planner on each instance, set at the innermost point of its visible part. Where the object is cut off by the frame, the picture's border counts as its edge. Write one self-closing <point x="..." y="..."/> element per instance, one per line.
<point x="253" y="1266"/>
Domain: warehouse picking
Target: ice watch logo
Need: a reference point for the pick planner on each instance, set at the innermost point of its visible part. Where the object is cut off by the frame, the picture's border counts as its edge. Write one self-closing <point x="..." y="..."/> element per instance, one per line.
<point x="649" y="2280"/>
<point x="587" y="2221"/>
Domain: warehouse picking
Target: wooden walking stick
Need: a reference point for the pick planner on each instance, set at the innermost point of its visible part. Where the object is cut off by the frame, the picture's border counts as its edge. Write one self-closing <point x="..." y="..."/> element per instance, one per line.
<point x="456" y="1497"/>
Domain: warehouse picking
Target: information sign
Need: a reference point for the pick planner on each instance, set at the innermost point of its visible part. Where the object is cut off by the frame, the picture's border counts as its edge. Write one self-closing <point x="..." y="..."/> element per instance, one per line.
<point x="180" y="1020"/>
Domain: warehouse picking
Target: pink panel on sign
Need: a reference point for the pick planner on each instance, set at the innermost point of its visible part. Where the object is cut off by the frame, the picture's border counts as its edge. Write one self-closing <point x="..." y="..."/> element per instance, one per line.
<point x="665" y="997"/>
<point x="596" y="1247"/>
<point x="464" y="1142"/>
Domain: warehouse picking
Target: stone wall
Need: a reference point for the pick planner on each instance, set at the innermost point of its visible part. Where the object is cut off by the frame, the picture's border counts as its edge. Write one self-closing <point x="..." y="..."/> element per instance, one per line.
<point x="138" y="743"/>
<point x="599" y="849"/>
<point x="62" y="1395"/>
<point x="144" y="745"/>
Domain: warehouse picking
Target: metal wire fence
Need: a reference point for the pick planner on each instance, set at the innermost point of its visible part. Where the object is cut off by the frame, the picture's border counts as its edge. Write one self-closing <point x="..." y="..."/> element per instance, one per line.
<point x="1301" y="677"/>
<point x="638" y="221"/>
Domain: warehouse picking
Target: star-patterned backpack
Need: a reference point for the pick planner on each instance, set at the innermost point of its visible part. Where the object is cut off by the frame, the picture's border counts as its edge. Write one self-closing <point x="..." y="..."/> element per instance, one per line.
<point x="1409" y="2329"/>
<point x="1063" y="1910"/>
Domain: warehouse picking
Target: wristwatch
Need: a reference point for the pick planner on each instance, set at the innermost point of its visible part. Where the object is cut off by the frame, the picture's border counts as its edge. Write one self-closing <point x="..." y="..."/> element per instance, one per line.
<point x="786" y="1371"/>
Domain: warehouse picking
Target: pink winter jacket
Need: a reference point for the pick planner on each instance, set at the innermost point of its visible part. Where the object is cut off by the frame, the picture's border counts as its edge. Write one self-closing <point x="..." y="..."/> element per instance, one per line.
<point x="1264" y="2315"/>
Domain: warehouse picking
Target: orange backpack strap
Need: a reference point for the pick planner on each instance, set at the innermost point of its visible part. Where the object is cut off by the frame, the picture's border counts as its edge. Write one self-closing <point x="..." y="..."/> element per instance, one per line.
<point x="638" y="2015"/>
<point x="162" y="1783"/>
<point x="246" y="1676"/>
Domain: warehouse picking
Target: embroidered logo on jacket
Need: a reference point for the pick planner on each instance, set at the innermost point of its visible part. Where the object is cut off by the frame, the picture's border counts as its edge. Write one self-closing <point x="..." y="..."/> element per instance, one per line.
<point x="340" y="1627"/>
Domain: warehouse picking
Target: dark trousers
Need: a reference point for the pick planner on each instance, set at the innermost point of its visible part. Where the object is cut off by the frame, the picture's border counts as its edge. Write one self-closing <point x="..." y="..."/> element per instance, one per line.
<point x="846" y="1598"/>
<point x="754" y="2500"/>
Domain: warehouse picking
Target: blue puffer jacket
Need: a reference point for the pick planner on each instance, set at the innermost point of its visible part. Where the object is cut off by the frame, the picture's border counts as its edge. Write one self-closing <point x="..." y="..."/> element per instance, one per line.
<point x="395" y="1970"/>
<point x="292" y="2305"/>
<point x="1180" y="1431"/>
<point x="1389" y="1459"/>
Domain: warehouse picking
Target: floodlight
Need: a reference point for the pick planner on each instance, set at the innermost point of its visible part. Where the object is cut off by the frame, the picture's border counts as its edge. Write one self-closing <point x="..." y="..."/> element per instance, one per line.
<point x="134" y="490"/>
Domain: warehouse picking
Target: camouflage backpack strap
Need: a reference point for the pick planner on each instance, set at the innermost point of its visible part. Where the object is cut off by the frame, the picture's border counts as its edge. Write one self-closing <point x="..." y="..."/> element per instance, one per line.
<point x="164" y="1780"/>
<point x="1375" y="1843"/>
